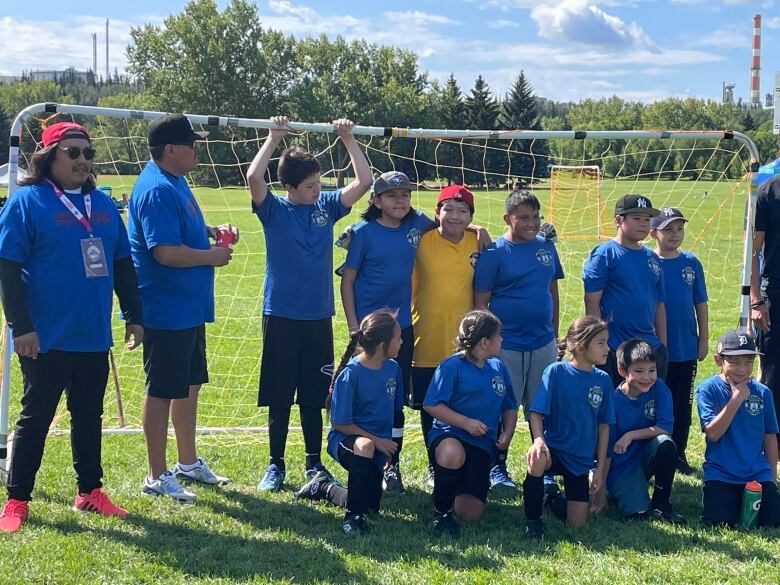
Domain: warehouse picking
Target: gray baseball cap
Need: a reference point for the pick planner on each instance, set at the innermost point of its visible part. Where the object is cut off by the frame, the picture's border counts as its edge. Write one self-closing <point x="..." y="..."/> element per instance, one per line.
<point x="391" y="180"/>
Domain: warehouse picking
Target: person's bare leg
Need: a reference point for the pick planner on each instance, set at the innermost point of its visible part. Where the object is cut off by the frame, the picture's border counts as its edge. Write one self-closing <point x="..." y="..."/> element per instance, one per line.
<point x="155" y="422"/>
<point x="184" y="412"/>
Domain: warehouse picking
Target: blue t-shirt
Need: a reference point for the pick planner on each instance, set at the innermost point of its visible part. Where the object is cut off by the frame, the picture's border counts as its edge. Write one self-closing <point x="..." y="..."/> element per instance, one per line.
<point x="367" y="398"/>
<point x="632" y="284"/>
<point x="738" y="457"/>
<point x="519" y="278"/>
<point x="684" y="288"/>
<point x="650" y="409"/>
<point x="299" y="255"/>
<point x="480" y="393"/>
<point x="573" y="403"/>
<point x="163" y="212"/>
<point x="384" y="258"/>
<point x="69" y="311"/>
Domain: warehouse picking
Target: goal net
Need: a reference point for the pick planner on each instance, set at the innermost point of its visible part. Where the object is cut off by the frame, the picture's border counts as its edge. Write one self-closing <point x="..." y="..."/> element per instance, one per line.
<point x="577" y="176"/>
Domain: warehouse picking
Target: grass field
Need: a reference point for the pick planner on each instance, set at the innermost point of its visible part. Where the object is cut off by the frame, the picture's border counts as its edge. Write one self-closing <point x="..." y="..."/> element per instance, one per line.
<point x="237" y="535"/>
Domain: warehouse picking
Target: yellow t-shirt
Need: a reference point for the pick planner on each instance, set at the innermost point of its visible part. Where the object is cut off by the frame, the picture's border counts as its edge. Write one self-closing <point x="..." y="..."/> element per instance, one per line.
<point x="441" y="294"/>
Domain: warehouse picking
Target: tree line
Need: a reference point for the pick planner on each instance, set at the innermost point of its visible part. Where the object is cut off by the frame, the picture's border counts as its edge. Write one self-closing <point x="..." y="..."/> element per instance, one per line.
<point x="211" y="61"/>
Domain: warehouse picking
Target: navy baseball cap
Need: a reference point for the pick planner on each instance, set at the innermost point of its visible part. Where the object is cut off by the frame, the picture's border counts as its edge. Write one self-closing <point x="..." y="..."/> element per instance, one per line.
<point x="666" y="216"/>
<point x="173" y="129"/>
<point x="635" y="204"/>
<point x="736" y="343"/>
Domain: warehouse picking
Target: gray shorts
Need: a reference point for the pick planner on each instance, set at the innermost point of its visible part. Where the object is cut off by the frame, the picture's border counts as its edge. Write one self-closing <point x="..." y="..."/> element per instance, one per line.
<point x="525" y="370"/>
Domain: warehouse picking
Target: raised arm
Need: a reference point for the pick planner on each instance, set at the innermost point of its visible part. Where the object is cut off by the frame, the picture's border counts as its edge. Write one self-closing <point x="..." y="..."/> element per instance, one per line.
<point x="255" y="176"/>
<point x="363" y="177"/>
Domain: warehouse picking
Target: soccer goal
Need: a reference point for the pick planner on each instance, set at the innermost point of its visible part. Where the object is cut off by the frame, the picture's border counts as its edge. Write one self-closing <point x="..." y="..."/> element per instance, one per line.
<point x="577" y="175"/>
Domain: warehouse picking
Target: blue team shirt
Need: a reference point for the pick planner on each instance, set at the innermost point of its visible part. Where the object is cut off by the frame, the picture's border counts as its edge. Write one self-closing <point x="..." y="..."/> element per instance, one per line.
<point x="573" y="403"/>
<point x="684" y="288"/>
<point x="299" y="255"/>
<point x="368" y="398"/>
<point x="738" y="457"/>
<point x="650" y="409"/>
<point x="69" y="311"/>
<point x="163" y="212"/>
<point x="519" y="278"/>
<point x="480" y="393"/>
<point x="632" y="284"/>
<point x="384" y="258"/>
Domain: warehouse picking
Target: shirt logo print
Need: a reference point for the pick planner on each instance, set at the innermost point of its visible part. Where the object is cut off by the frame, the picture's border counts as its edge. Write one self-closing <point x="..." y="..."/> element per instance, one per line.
<point x="654" y="266"/>
<point x="650" y="409"/>
<point x="544" y="257"/>
<point x="319" y="217"/>
<point x="473" y="259"/>
<point x="413" y="237"/>
<point x="688" y="275"/>
<point x="754" y="405"/>
<point x="595" y="396"/>
<point x="390" y="388"/>
<point x="499" y="386"/>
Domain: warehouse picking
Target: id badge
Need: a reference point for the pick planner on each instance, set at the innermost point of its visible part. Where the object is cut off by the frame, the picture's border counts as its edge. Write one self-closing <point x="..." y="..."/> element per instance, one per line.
<point x="94" y="258"/>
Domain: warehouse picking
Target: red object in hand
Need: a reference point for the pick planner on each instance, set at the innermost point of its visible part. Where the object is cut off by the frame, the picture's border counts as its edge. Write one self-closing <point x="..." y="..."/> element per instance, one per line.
<point x="226" y="237"/>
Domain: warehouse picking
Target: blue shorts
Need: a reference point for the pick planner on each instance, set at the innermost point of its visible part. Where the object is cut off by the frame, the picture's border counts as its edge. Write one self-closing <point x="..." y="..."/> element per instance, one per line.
<point x="630" y="491"/>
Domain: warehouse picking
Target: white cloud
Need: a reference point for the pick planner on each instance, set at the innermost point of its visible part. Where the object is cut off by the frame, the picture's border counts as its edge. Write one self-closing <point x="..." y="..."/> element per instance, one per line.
<point x="583" y="22"/>
<point x="772" y="22"/>
<point x="732" y="36"/>
<point x="503" y="24"/>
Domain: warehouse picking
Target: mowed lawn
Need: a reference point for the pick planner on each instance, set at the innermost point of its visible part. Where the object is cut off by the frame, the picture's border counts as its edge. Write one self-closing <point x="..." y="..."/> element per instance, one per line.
<point x="234" y="534"/>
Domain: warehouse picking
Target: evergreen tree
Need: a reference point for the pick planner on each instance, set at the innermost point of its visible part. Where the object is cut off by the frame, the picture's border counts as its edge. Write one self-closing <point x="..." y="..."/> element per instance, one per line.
<point x="520" y="110"/>
<point x="483" y="157"/>
<point x="450" y="114"/>
<point x="482" y="109"/>
<point x="5" y="130"/>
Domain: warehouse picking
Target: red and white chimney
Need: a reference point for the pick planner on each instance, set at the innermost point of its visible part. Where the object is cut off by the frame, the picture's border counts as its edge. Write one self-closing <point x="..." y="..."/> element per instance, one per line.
<point x="755" y="64"/>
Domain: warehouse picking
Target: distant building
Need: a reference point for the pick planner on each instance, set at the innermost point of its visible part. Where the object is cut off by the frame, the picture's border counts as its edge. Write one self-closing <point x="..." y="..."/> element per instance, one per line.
<point x="9" y="78"/>
<point x="57" y="75"/>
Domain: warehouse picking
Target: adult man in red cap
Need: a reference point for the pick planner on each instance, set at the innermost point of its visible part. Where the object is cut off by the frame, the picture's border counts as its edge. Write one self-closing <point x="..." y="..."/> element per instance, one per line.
<point x="63" y="252"/>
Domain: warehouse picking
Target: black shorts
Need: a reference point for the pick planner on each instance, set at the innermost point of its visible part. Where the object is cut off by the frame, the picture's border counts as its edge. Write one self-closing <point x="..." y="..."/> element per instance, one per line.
<point x="346" y="453"/>
<point x="474" y="479"/>
<point x="576" y="487"/>
<point x="297" y="355"/>
<point x="174" y="360"/>
<point x="421" y="379"/>
<point x="722" y="503"/>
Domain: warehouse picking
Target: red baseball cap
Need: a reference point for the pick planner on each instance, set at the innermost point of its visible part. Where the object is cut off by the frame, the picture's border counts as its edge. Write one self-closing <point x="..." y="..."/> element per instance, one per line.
<point x="62" y="130"/>
<point x="458" y="193"/>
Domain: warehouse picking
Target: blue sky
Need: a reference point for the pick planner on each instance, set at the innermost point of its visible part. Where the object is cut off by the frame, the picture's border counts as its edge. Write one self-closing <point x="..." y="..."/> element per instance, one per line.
<point x="570" y="50"/>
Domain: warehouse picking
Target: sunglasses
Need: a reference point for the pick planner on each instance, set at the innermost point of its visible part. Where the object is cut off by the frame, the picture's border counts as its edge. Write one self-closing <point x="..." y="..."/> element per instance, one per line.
<point x="74" y="152"/>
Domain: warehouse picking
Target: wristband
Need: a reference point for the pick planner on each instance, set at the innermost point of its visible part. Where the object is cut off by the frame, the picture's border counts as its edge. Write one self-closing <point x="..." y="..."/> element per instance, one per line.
<point x="758" y="304"/>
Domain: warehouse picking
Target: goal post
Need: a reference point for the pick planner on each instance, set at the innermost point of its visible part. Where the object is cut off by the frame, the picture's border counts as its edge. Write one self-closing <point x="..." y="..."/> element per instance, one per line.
<point x="671" y="167"/>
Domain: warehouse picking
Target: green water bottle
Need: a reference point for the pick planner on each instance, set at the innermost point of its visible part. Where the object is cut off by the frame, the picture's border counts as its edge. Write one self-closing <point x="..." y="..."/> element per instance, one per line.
<point x="751" y="503"/>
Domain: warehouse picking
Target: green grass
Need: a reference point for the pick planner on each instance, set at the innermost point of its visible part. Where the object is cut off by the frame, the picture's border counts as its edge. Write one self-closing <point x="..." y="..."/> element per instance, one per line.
<point x="237" y="535"/>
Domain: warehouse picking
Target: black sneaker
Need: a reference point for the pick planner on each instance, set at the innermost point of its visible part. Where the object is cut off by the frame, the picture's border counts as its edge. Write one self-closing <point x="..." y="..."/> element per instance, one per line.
<point x="354" y="525"/>
<point x="445" y="524"/>
<point x="392" y="481"/>
<point x="666" y="513"/>
<point x="316" y="488"/>
<point x="684" y="467"/>
<point x="534" y="529"/>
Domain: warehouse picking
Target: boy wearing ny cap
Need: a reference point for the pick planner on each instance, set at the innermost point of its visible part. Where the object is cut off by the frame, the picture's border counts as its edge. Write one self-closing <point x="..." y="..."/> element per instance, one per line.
<point x="63" y="253"/>
<point x="624" y="284"/>
<point x="738" y="418"/>
<point x="298" y="305"/>
<point x="686" y="320"/>
<point x="175" y="264"/>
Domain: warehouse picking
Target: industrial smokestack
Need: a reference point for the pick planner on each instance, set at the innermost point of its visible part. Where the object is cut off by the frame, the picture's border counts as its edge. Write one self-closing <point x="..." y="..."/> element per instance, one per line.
<point x="755" y="64"/>
<point x="108" y="75"/>
<point x="94" y="53"/>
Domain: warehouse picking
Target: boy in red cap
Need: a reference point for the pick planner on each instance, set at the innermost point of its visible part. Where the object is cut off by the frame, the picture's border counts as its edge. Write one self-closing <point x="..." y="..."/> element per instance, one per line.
<point x="64" y="251"/>
<point x="442" y="291"/>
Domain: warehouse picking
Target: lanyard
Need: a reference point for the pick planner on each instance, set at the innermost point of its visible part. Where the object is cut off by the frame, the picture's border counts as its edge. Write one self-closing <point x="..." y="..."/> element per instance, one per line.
<point x="84" y="221"/>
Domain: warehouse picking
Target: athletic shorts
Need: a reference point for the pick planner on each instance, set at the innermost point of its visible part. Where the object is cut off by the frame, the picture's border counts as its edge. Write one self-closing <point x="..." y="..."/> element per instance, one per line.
<point x="630" y="491"/>
<point x="421" y="379"/>
<point x="474" y="477"/>
<point x="297" y="355"/>
<point x="722" y="504"/>
<point x="525" y="370"/>
<point x="174" y="360"/>
<point x="576" y="487"/>
<point x="346" y="453"/>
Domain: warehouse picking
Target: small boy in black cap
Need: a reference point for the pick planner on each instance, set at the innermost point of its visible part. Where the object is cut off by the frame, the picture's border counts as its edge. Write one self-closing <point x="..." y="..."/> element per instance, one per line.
<point x="686" y="320"/>
<point x="739" y="422"/>
<point x="624" y="284"/>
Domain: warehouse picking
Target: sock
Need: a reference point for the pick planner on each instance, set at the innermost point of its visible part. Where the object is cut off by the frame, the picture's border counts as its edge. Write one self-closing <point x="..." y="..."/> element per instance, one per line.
<point x="426" y="422"/>
<point x="664" y="467"/>
<point x="533" y="497"/>
<point x="501" y="454"/>
<point x="311" y="421"/>
<point x="444" y="487"/>
<point x="376" y="494"/>
<point x="278" y="425"/>
<point x="399" y="419"/>
<point x="336" y="495"/>
<point x="360" y="484"/>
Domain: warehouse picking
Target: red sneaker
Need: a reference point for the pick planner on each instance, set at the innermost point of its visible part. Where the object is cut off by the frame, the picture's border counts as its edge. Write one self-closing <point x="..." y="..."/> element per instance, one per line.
<point x="13" y="515"/>
<point x="98" y="502"/>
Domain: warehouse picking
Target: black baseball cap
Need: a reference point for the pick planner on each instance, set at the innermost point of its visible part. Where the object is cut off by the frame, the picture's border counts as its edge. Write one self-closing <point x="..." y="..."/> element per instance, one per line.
<point x="635" y="204"/>
<point x="736" y="343"/>
<point x="173" y="129"/>
<point x="666" y="216"/>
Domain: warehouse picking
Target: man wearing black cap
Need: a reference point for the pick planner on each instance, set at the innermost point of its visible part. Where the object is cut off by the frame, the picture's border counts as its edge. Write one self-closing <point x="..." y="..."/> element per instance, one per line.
<point x="175" y="264"/>
<point x="624" y="284"/>
<point x="765" y="285"/>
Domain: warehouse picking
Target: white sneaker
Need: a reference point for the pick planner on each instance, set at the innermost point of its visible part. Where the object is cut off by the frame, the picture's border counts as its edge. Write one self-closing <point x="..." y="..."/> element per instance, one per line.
<point x="167" y="485"/>
<point x="200" y="473"/>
